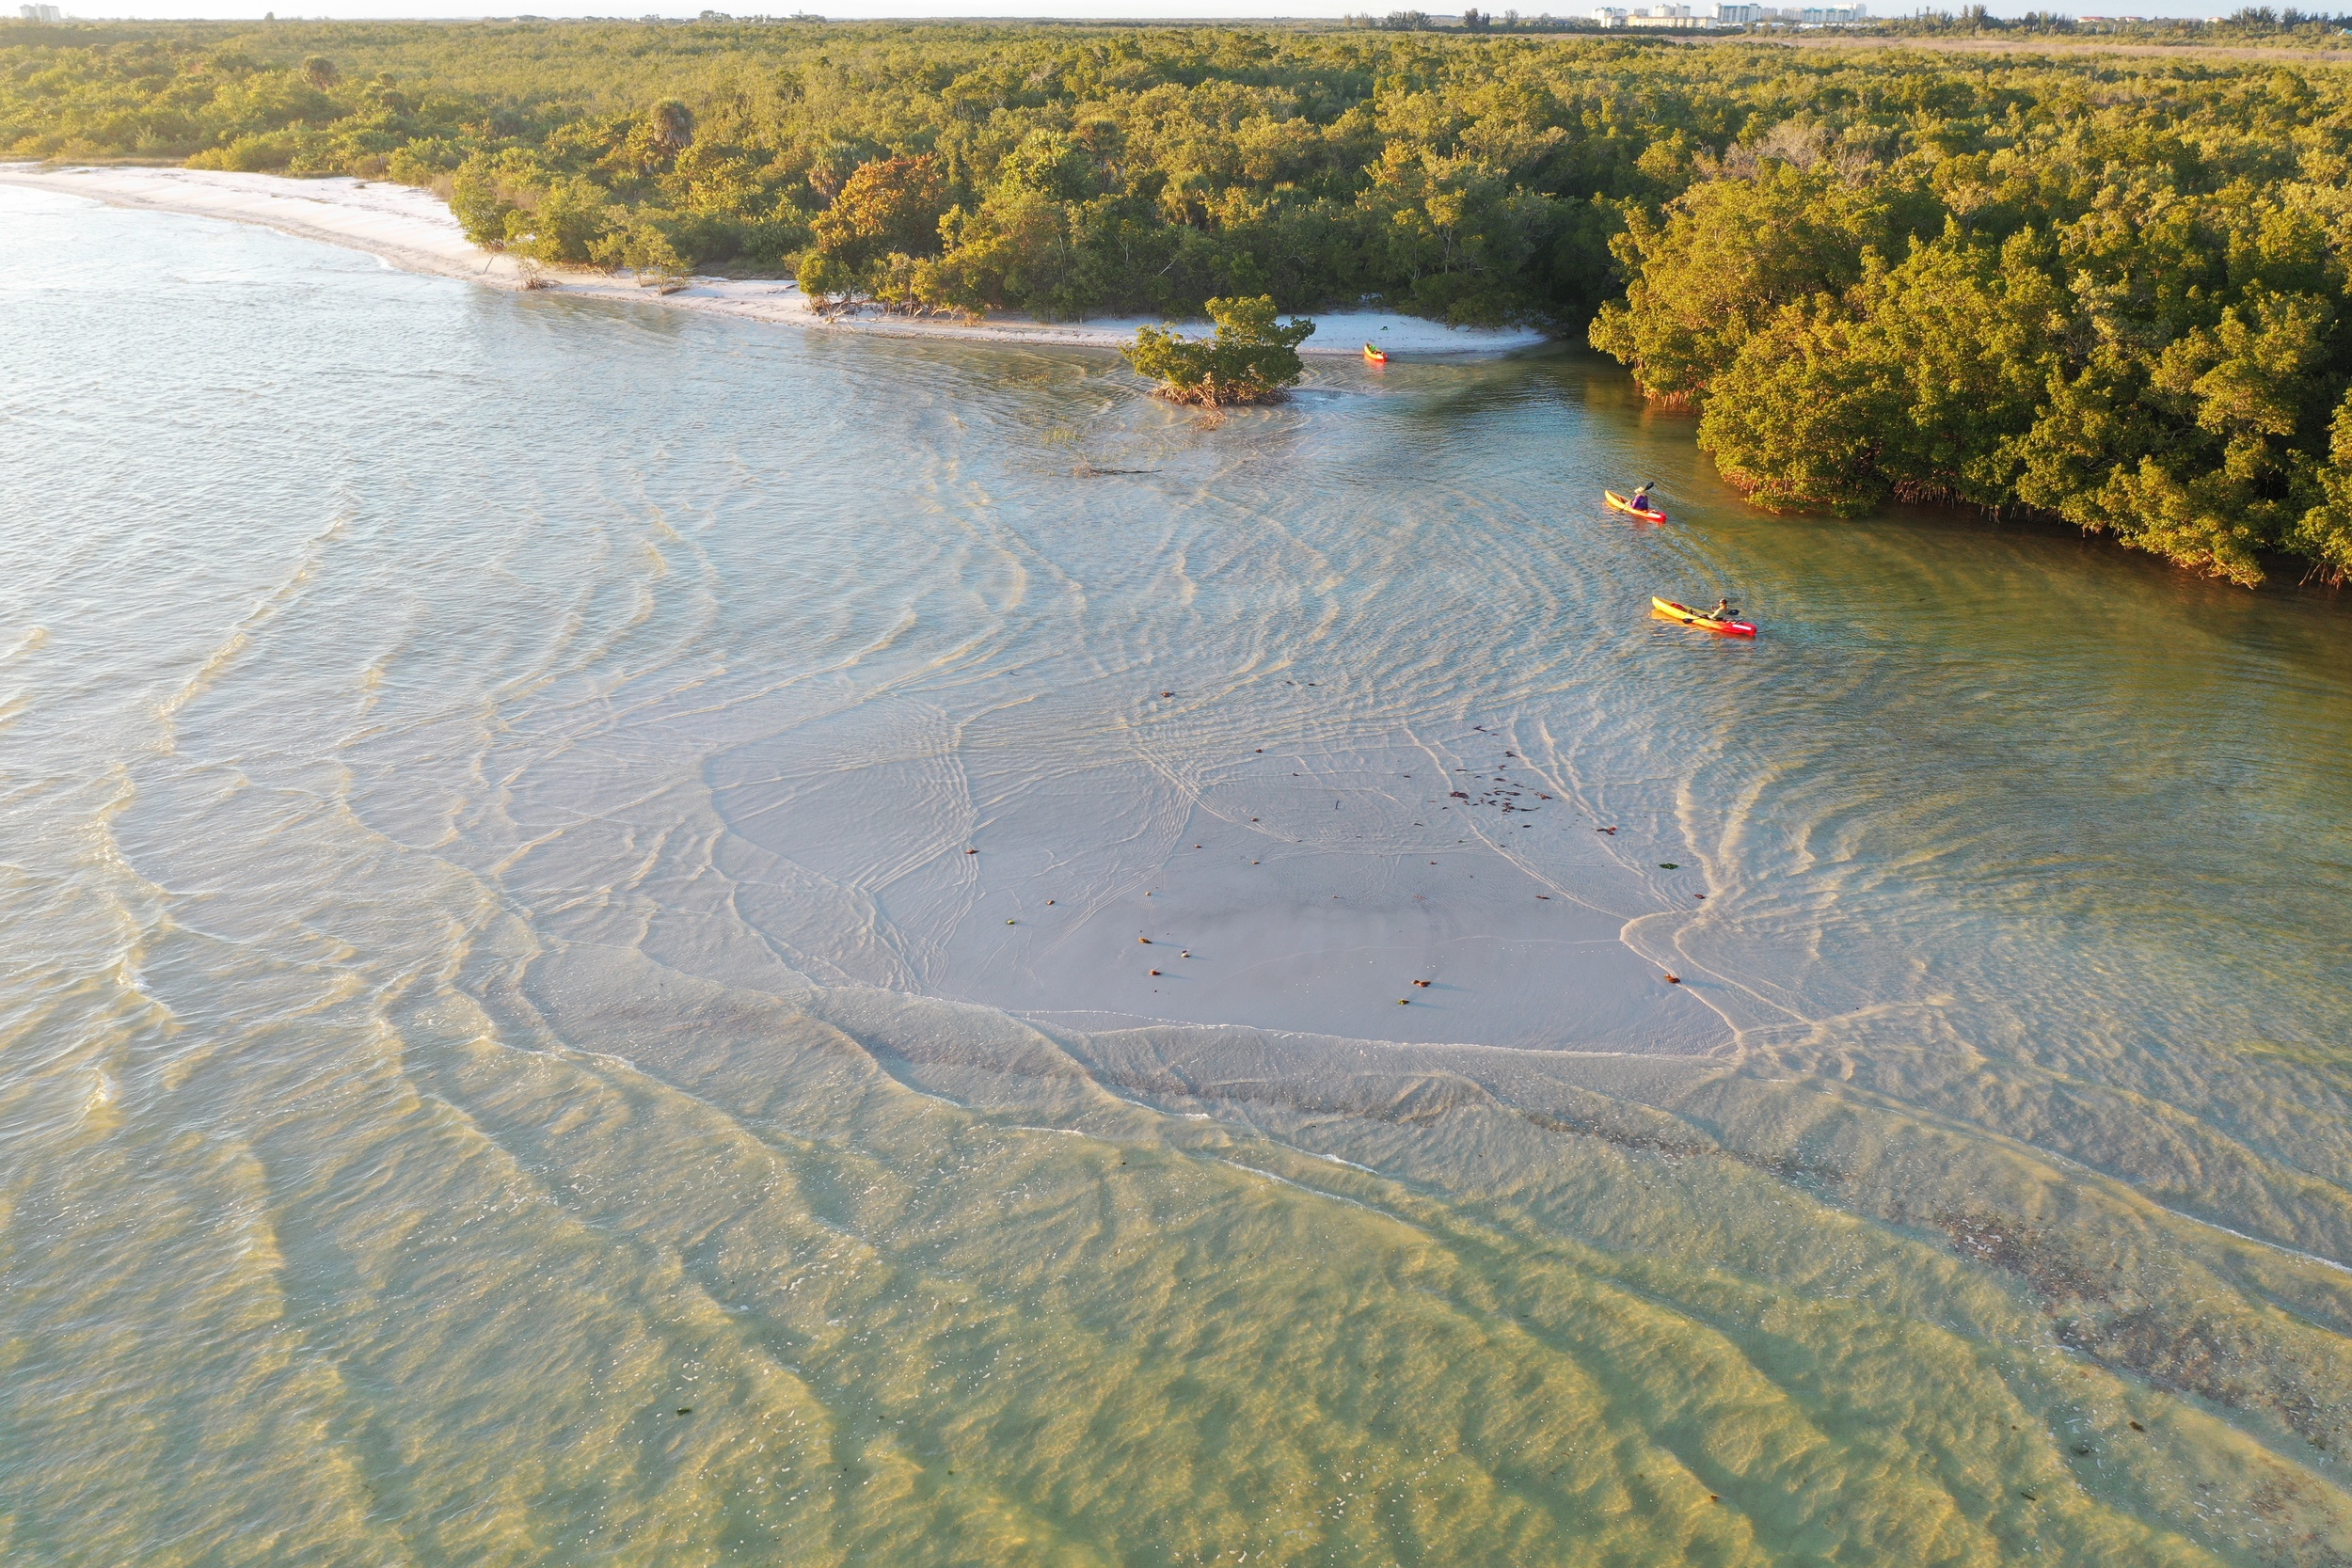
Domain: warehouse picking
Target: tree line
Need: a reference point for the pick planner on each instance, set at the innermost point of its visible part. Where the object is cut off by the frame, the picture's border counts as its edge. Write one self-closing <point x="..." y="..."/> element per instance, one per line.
<point x="2267" y="25"/>
<point x="2122" y="307"/>
<point x="2104" y="288"/>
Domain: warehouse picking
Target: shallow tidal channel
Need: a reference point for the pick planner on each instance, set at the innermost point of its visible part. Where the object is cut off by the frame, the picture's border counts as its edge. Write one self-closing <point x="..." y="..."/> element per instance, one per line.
<point x="647" y="940"/>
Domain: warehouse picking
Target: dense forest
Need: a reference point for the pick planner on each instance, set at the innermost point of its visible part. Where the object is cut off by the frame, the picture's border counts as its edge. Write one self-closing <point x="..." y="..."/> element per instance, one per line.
<point x="2109" y="287"/>
<point x="2269" y="26"/>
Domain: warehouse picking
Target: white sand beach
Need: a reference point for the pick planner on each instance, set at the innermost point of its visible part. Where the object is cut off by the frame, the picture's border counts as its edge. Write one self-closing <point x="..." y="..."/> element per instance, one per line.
<point x="414" y="229"/>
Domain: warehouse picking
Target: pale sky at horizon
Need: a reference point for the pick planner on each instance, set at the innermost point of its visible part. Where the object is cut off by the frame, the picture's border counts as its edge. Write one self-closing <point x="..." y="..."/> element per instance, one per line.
<point x="1100" y="10"/>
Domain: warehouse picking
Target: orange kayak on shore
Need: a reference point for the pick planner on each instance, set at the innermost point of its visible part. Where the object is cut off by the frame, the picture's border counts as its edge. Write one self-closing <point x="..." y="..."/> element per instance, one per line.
<point x="1647" y="515"/>
<point x="1699" y="618"/>
<point x="1377" y="356"/>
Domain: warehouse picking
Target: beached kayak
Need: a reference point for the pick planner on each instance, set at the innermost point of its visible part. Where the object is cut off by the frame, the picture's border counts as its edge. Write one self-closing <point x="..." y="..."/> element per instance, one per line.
<point x="1377" y="356"/>
<point x="1647" y="515"/>
<point x="1690" y="617"/>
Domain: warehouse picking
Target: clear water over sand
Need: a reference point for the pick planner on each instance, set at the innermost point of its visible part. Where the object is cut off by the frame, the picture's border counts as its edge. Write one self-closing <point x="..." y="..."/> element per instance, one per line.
<point x="509" y="1060"/>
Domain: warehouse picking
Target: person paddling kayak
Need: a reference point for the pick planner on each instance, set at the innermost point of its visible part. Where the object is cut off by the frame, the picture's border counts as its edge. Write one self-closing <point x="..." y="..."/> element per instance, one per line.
<point x="1640" y="505"/>
<point x="1724" y="611"/>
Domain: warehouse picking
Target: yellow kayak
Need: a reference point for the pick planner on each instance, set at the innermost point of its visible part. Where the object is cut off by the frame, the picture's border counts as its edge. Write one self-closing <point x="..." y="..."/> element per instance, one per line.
<point x="1647" y="515"/>
<point x="1699" y="618"/>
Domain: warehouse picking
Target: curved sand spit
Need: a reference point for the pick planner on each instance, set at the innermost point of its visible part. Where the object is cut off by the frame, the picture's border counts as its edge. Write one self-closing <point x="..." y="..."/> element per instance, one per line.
<point x="415" y="229"/>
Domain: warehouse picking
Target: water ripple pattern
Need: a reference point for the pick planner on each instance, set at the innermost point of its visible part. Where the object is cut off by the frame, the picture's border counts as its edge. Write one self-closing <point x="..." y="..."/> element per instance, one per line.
<point x="647" y="940"/>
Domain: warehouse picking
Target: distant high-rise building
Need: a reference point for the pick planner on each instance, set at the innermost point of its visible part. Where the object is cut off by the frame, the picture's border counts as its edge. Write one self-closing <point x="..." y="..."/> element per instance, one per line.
<point x="40" y="13"/>
<point x="1669" y="16"/>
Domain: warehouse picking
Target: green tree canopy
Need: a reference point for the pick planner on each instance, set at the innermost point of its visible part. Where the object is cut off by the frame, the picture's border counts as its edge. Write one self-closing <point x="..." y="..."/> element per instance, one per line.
<point x="2107" y="288"/>
<point x="1251" y="359"/>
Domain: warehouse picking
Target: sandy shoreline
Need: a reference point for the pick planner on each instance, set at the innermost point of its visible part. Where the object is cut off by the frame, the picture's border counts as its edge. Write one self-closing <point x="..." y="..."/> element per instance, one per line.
<point x="415" y="231"/>
<point x="1301" y="893"/>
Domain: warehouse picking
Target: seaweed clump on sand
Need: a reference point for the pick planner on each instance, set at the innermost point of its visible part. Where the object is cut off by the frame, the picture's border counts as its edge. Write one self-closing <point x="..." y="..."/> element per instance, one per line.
<point x="1249" y="360"/>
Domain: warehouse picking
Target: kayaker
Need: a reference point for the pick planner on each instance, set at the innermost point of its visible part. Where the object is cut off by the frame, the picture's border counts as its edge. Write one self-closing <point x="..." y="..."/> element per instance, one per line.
<point x="1640" y="497"/>
<point x="1724" y="611"/>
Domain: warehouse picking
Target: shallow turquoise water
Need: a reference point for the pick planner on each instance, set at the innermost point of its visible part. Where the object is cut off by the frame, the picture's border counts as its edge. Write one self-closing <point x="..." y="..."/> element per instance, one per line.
<point x="494" y="965"/>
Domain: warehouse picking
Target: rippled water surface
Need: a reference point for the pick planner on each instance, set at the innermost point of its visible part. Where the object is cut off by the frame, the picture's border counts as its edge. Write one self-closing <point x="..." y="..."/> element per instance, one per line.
<point x="573" y="881"/>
